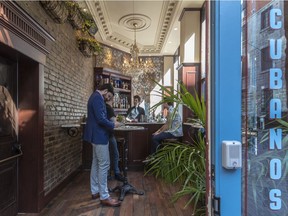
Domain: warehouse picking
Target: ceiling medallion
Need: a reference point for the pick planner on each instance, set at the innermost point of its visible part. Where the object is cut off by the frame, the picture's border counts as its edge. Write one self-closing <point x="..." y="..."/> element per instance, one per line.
<point x="129" y="21"/>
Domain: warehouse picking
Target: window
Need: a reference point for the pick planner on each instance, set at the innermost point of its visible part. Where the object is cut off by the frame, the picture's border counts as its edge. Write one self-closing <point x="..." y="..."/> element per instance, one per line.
<point x="266" y="95"/>
<point x="266" y="61"/>
<point x="265" y="18"/>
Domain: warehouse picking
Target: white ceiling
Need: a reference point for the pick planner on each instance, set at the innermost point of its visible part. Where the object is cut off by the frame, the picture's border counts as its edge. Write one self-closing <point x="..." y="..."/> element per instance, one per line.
<point x="158" y="26"/>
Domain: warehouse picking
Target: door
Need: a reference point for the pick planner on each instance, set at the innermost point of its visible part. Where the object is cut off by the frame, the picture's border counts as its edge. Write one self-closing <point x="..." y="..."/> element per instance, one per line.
<point x="9" y="149"/>
<point x="264" y="110"/>
<point x="224" y="119"/>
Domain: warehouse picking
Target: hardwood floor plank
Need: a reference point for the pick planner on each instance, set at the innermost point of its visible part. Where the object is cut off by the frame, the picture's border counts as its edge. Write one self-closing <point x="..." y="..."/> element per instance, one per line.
<point x="75" y="199"/>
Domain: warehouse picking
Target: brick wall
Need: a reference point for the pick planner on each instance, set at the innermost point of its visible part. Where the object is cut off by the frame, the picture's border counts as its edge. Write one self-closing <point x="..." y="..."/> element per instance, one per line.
<point x="68" y="83"/>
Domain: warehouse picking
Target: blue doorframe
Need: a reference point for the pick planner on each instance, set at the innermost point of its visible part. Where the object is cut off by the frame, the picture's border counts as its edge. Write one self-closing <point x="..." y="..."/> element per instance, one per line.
<point x="225" y="100"/>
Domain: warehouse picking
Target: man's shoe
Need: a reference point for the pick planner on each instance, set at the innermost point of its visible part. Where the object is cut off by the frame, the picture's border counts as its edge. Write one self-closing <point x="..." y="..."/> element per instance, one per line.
<point x="119" y="177"/>
<point x="95" y="196"/>
<point x="110" y="202"/>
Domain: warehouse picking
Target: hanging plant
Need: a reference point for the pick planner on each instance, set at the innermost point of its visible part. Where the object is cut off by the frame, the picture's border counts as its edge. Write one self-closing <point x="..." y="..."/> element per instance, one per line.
<point x="88" y="46"/>
<point x="89" y="26"/>
<point x="84" y="47"/>
<point x="75" y="16"/>
<point x="57" y="10"/>
<point x="85" y="29"/>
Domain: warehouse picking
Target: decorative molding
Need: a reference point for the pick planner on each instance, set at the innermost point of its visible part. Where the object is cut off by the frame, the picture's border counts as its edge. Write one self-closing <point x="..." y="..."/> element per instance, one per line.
<point x="168" y="56"/>
<point x="16" y="20"/>
<point x="188" y="64"/>
<point x="188" y="10"/>
<point x="98" y="10"/>
<point x="128" y="21"/>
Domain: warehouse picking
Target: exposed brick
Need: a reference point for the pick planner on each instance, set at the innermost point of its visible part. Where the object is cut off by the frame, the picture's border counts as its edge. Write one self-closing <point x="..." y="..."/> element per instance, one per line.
<point x="68" y="77"/>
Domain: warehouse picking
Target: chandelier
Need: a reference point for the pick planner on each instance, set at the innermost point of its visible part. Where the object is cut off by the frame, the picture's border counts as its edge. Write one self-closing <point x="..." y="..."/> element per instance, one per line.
<point x="134" y="51"/>
<point x="136" y="64"/>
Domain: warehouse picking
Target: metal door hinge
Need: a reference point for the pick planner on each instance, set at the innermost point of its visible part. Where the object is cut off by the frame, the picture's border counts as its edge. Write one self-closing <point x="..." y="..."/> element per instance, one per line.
<point x="216" y="205"/>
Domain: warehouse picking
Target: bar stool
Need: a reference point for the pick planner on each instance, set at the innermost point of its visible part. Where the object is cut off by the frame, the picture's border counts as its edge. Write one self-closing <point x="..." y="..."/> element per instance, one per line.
<point x="120" y="147"/>
<point x="121" y="150"/>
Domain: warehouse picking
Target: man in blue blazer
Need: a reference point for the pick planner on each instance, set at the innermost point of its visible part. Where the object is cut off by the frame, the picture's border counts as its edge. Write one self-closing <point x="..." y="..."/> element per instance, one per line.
<point x="97" y="133"/>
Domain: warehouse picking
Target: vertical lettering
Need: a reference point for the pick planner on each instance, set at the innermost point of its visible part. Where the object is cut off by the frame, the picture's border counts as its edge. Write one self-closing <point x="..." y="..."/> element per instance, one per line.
<point x="275" y="198"/>
<point x="275" y="78"/>
<point x="273" y="23"/>
<point x="275" y="139"/>
<point x="275" y="169"/>
<point x="275" y="48"/>
<point x="275" y="108"/>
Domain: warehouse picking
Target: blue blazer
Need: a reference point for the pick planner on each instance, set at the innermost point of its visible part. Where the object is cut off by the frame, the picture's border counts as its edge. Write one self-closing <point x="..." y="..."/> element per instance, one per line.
<point x="98" y="126"/>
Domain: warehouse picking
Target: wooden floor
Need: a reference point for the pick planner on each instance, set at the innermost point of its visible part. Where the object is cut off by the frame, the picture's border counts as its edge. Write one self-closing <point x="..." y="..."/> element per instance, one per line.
<point x="75" y="199"/>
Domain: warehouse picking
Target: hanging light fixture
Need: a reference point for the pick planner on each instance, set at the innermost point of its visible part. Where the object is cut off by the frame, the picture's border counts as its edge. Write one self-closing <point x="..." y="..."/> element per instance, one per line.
<point x="134" y="50"/>
<point x="136" y="64"/>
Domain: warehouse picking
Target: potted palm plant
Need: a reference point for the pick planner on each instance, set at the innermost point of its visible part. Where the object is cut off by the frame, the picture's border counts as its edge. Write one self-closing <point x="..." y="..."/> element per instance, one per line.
<point x="183" y="163"/>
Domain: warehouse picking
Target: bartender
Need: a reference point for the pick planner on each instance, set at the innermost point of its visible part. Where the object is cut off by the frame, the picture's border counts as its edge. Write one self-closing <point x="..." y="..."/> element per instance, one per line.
<point x="134" y="113"/>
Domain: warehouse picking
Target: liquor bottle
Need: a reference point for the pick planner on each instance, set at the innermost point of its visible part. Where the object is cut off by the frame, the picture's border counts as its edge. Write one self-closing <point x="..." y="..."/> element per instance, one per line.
<point x="125" y="103"/>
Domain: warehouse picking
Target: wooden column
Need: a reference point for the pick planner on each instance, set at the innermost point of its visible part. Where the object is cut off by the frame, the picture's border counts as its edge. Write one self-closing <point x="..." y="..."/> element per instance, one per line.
<point x="190" y="76"/>
<point x="189" y="72"/>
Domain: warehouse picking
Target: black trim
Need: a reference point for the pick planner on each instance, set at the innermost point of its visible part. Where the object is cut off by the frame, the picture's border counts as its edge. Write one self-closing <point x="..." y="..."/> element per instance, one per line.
<point x="216" y="205"/>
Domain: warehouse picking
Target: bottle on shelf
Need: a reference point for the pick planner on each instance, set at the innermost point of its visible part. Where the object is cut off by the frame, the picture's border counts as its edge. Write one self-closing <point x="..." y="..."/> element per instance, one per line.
<point x="120" y="82"/>
<point x="125" y="103"/>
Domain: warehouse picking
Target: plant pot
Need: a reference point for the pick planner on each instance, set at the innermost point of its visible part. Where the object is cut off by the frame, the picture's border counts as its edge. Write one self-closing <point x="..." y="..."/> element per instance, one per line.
<point x="84" y="47"/>
<point x="56" y="10"/>
<point x="75" y="19"/>
<point x="93" y="29"/>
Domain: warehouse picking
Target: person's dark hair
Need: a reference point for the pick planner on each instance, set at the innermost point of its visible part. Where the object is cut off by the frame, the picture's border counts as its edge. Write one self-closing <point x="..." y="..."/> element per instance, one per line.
<point x="170" y="103"/>
<point x="107" y="86"/>
<point x="138" y="97"/>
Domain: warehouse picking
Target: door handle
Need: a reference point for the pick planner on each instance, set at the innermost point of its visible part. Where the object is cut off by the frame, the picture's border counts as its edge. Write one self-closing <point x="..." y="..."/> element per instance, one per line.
<point x="16" y="147"/>
<point x="12" y="157"/>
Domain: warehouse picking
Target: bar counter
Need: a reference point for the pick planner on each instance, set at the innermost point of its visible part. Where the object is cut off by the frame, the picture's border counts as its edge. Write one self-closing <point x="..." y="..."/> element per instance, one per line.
<point x="139" y="145"/>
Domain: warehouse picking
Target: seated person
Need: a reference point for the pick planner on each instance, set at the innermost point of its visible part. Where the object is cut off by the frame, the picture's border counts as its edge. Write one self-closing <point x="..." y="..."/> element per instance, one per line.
<point x="171" y="129"/>
<point x="113" y="143"/>
<point x="134" y="113"/>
